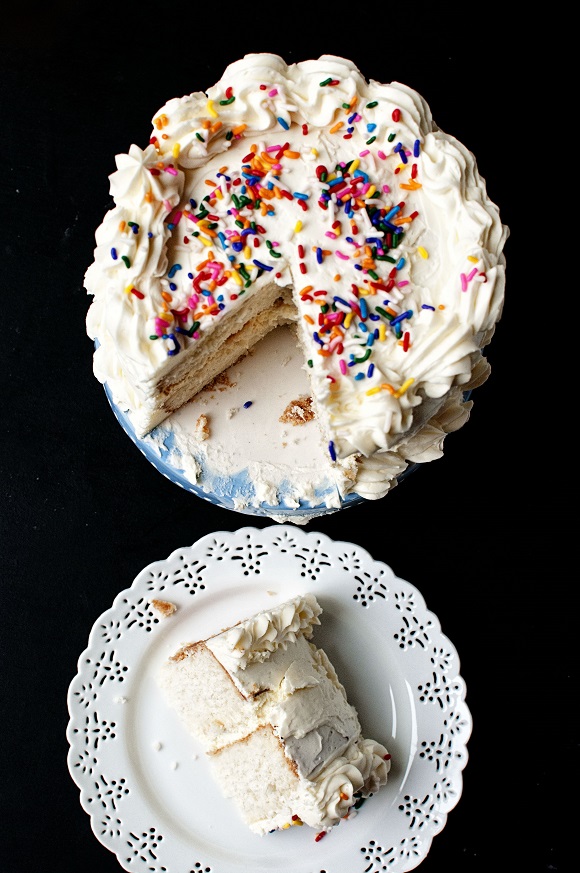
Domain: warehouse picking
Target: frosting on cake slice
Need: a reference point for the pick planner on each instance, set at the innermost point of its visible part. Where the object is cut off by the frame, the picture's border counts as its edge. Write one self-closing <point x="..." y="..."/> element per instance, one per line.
<point x="267" y="705"/>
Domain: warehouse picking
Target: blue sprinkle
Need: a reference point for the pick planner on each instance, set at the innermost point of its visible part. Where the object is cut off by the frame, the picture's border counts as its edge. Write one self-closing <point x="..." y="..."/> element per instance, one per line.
<point x="331" y="450"/>
<point x="172" y="286"/>
<point x="370" y="370"/>
<point x="282" y="123"/>
<point x="300" y="196"/>
<point x="426" y="306"/>
<point x="371" y="127"/>
<point x="402" y="317"/>
<point x="417" y="148"/>
<point x="247" y="404"/>
<point x="262" y="266"/>
<point x="173" y="271"/>
<point x="114" y="254"/>
<point x="400" y="264"/>
<point x="391" y="213"/>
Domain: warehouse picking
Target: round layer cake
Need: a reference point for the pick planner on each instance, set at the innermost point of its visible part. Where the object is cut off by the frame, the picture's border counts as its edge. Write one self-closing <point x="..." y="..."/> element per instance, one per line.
<point x="303" y="196"/>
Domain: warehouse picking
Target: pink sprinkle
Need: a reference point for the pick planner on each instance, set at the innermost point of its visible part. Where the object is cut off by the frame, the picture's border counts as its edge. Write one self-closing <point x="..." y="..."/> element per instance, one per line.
<point x="386" y="189"/>
<point x="463" y="282"/>
<point x="403" y="283"/>
<point x="342" y="366"/>
<point x="472" y="274"/>
<point x="381" y="155"/>
<point x="330" y="234"/>
<point x="193" y="301"/>
<point x="364" y="153"/>
<point x="273" y="148"/>
<point x="340" y="255"/>
<point x="167" y="205"/>
<point x="171" y="170"/>
<point x="177" y="217"/>
<point x="273" y="92"/>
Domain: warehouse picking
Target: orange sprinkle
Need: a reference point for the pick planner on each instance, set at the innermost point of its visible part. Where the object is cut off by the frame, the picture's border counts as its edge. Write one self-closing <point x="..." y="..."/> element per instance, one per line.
<point x="167" y="296"/>
<point x="410" y="186"/>
<point x="336" y="127"/>
<point x="239" y="129"/>
<point x="290" y="154"/>
<point x="216" y="126"/>
<point x="308" y="319"/>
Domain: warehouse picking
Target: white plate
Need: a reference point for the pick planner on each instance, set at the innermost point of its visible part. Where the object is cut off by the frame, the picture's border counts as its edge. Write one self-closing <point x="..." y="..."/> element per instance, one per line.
<point x="143" y="780"/>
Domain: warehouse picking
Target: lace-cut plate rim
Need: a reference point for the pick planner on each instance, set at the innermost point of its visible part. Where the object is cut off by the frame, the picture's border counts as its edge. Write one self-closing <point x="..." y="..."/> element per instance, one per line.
<point x="147" y="786"/>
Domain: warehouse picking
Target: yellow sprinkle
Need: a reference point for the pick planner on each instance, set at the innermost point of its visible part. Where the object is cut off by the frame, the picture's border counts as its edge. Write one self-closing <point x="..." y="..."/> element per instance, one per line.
<point x="473" y="259"/>
<point x="373" y="390"/>
<point x="247" y="252"/>
<point x="206" y="242"/>
<point x="175" y="150"/>
<point x="406" y="384"/>
<point x="370" y="192"/>
<point x="347" y="319"/>
<point x="285" y="826"/>
<point x="423" y="252"/>
<point x="314" y="152"/>
<point x="382" y="331"/>
<point x="166" y="316"/>
<point x="128" y="289"/>
<point x="237" y="278"/>
<point x="218" y="193"/>
<point x="354" y="165"/>
<point x="298" y="227"/>
<point x="211" y="110"/>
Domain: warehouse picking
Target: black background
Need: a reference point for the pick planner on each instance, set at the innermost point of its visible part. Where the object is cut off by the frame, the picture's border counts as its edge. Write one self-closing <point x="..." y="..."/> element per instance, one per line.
<point x="485" y="533"/>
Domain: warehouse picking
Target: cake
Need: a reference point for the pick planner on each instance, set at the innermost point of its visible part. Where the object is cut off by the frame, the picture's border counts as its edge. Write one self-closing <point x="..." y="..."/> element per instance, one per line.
<point x="303" y="195"/>
<point x="267" y="707"/>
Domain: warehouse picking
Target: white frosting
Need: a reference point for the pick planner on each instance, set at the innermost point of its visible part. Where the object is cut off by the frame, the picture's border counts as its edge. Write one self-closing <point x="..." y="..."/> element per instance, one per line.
<point x="257" y="637"/>
<point x="404" y="263"/>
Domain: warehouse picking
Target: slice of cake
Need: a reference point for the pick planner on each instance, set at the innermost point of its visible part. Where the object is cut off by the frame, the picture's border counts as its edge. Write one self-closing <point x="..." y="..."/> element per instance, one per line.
<point x="267" y="706"/>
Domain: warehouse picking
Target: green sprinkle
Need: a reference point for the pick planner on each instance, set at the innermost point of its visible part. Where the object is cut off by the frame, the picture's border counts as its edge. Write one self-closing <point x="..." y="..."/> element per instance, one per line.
<point x="199" y="136"/>
<point x="371" y="140"/>
<point x="227" y="102"/>
<point x="391" y="136"/>
<point x="384" y="313"/>
<point x="372" y="105"/>
<point x="126" y="261"/>
<point x="373" y="275"/>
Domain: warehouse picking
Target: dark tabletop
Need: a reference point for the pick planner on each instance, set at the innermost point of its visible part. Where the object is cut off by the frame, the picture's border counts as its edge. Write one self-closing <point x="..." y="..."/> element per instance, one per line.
<point x="485" y="533"/>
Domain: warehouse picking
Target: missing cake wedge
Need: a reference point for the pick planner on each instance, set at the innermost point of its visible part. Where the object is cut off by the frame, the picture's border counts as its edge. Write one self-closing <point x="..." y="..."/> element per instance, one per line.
<point x="268" y="708"/>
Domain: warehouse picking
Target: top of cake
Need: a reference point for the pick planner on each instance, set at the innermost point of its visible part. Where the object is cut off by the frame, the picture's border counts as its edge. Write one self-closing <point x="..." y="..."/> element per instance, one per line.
<point x="307" y="176"/>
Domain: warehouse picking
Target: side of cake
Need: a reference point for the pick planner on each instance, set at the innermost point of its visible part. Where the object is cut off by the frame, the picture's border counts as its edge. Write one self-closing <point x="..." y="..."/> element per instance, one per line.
<point x="302" y="194"/>
<point x="268" y="708"/>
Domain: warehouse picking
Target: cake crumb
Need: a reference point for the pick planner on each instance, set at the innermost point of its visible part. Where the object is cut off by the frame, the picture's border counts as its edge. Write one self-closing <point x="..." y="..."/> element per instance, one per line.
<point x="298" y="411"/>
<point x="220" y="383"/>
<point x="174" y="765"/>
<point x="202" y="427"/>
<point x="120" y="700"/>
<point x="163" y="606"/>
<point x="157" y="746"/>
